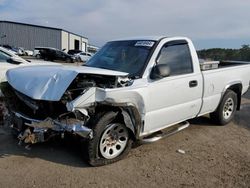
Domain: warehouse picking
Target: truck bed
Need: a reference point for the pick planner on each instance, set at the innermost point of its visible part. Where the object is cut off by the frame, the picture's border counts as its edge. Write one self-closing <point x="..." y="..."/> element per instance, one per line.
<point x="217" y="80"/>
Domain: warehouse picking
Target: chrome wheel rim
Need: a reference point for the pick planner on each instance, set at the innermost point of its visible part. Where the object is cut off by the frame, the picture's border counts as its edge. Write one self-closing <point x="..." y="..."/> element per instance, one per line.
<point x="228" y="108"/>
<point x="113" y="141"/>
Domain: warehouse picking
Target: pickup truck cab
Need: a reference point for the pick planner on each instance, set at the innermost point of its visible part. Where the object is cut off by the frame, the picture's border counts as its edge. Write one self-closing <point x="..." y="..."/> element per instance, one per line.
<point x="129" y="91"/>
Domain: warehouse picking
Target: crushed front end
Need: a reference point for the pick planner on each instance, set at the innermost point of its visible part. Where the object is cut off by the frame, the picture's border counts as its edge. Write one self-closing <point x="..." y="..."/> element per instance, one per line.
<point x="38" y="120"/>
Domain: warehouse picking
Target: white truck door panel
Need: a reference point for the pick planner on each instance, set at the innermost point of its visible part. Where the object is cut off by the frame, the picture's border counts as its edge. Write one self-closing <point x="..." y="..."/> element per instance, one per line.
<point x="177" y="97"/>
<point x="171" y="100"/>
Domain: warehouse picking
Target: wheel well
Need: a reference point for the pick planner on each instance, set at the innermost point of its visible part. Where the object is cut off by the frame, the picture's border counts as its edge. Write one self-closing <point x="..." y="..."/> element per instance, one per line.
<point x="237" y="88"/>
<point x="128" y="115"/>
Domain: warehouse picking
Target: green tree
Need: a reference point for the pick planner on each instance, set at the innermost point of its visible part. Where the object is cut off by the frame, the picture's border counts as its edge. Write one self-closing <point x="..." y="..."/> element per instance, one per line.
<point x="218" y="54"/>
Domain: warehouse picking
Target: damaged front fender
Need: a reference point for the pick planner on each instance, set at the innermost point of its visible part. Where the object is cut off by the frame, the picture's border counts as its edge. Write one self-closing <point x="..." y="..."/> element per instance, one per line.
<point x="130" y="103"/>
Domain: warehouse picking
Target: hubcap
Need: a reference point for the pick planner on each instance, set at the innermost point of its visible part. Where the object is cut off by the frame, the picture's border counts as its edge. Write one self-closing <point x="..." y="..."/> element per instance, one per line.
<point x="113" y="141"/>
<point x="228" y="108"/>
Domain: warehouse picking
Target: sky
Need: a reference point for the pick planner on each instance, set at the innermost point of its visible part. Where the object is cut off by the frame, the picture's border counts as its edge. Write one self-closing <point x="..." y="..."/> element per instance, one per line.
<point x="209" y="23"/>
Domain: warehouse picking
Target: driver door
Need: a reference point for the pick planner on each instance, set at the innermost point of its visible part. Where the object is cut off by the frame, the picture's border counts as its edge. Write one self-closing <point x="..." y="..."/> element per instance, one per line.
<point x="177" y="97"/>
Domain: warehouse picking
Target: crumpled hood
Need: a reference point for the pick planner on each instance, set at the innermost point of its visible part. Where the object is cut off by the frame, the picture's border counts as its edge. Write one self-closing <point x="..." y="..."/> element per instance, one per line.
<point x="50" y="82"/>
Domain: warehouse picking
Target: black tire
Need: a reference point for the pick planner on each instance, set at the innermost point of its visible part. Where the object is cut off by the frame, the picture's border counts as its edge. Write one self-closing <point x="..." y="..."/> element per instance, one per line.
<point x="100" y="126"/>
<point x="68" y="60"/>
<point x="225" y="112"/>
<point x="38" y="56"/>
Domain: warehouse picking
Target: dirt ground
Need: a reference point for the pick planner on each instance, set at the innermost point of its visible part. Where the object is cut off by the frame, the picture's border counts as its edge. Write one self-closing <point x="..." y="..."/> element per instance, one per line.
<point x="216" y="156"/>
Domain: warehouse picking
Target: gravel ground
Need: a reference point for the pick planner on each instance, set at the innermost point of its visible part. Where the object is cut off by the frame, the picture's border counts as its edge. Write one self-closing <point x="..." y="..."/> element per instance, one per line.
<point x="215" y="156"/>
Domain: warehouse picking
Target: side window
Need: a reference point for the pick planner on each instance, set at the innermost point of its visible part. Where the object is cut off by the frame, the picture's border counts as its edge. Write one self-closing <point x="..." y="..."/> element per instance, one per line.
<point x="177" y="56"/>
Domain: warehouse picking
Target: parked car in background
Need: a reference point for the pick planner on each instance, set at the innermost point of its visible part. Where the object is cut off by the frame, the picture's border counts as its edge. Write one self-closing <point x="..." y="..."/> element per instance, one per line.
<point x="20" y="51"/>
<point x="36" y="52"/>
<point x="28" y="52"/>
<point x="8" y="53"/>
<point x="9" y="60"/>
<point x="6" y="46"/>
<point x="83" y="56"/>
<point x="73" y="52"/>
<point x="15" y="50"/>
<point x="51" y="54"/>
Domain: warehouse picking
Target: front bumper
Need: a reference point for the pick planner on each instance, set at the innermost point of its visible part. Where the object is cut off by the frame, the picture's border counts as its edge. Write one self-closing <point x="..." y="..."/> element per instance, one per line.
<point x="75" y="127"/>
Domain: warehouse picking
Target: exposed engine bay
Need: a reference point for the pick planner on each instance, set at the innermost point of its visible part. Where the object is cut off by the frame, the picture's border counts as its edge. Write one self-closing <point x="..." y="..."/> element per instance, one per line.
<point x="83" y="82"/>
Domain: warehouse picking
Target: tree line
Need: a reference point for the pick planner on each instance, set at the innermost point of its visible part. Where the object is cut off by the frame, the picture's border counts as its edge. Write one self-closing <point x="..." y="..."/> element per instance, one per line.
<point x="218" y="54"/>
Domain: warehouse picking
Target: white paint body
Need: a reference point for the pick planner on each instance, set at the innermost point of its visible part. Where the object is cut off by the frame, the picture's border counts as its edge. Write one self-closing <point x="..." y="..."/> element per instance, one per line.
<point x="161" y="103"/>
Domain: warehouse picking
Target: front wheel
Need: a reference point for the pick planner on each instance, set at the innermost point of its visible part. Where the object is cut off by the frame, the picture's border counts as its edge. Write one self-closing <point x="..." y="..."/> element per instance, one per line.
<point x="226" y="109"/>
<point x="111" y="141"/>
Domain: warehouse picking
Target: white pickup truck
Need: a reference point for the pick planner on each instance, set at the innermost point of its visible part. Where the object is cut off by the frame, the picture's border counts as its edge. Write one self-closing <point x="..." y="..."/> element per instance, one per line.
<point x="129" y="91"/>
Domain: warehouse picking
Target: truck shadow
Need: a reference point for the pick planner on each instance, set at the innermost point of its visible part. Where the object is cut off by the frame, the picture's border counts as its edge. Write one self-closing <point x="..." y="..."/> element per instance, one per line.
<point x="242" y="117"/>
<point x="202" y="121"/>
<point x="68" y="153"/>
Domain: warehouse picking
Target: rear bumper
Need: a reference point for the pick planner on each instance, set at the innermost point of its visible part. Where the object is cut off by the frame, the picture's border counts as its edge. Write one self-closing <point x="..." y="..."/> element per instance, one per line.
<point x="76" y="127"/>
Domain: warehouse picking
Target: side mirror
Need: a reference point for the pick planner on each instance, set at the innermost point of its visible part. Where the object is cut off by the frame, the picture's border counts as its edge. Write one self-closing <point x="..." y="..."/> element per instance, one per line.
<point x="14" y="60"/>
<point x="160" y="71"/>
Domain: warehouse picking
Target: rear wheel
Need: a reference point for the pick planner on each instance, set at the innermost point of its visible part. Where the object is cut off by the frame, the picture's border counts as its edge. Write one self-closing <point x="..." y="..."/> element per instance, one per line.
<point x="111" y="141"/>
<point x="226" y="109"/>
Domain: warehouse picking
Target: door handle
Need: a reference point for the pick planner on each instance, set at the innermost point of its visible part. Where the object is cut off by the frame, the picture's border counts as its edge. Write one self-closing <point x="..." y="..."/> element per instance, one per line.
<point x="193" y="83"/>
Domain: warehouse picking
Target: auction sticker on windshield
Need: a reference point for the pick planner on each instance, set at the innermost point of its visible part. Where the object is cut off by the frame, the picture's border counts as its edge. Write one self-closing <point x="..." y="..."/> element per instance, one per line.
<point x="144" y="43"/>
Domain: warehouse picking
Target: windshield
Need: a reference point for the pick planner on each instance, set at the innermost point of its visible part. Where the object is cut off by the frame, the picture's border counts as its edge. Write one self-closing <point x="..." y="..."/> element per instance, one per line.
<point x="124" y="56"/>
